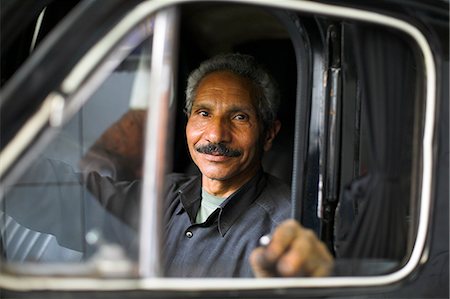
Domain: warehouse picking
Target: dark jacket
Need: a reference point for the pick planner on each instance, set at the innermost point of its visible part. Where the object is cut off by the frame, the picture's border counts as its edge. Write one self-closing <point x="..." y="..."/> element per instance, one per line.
<point x="220" y="247"/>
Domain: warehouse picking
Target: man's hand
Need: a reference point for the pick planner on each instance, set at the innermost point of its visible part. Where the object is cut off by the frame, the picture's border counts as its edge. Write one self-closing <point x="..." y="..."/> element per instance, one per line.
<point x="293" y="251"/>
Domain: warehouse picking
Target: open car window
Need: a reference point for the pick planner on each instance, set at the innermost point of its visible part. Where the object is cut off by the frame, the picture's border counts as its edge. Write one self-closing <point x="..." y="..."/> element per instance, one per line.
<point x="85" y="187"/>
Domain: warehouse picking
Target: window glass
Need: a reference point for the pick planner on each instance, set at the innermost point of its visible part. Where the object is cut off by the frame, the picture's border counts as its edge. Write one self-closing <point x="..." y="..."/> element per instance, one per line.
<point x="55" y="212"/>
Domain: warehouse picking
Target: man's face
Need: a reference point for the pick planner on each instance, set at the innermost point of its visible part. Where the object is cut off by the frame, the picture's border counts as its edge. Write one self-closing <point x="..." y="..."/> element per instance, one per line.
<point x="224" y="132"/>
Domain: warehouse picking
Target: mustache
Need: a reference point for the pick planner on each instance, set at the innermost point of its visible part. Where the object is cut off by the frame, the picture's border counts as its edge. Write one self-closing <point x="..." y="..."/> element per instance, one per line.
<point x="218" y="148"/>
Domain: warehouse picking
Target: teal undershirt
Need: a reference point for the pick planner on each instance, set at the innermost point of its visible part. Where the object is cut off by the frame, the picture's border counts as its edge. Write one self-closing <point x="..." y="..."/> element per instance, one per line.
<point x="209" y="204"/>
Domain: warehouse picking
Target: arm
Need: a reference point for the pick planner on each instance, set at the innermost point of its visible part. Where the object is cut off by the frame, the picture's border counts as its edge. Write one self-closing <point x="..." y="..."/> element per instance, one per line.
<point x="119" y="150"/>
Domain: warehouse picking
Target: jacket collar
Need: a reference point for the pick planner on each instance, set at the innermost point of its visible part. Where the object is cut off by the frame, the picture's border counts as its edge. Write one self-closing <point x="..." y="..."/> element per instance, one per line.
<point x="231" y="209"/>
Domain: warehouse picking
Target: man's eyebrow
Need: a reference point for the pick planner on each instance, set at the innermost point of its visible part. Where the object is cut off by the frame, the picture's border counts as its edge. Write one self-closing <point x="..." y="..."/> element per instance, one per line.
<point x="202" y="105"/>
<point x="231" y="109"/>
<point x="242" y="109"/>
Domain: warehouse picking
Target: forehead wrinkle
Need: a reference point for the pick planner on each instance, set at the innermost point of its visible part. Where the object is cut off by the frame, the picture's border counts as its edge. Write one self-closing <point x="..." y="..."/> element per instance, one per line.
<point x="211" y="82"/>
<point x="221" y="92"/>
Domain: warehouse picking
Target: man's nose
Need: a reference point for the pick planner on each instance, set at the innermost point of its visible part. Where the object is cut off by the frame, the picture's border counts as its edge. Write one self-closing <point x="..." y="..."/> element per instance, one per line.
<point x="218" y="130"/>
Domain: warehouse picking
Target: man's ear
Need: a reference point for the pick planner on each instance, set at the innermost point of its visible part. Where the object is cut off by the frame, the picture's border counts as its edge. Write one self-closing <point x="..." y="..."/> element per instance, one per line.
<point x="271" y="132"/>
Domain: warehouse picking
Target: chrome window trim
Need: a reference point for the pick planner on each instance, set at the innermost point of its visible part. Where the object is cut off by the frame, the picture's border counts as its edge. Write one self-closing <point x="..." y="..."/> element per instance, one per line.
<point x="418" y="255"/>
<point x="156" y="141"/>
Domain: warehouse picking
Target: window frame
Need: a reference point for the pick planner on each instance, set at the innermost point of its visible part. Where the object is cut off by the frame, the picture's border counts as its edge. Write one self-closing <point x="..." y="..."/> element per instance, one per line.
<point x="75" y="80"/>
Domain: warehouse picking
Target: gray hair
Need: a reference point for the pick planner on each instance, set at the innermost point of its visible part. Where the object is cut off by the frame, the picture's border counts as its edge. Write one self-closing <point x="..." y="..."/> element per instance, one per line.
<point x="247" y="67"/>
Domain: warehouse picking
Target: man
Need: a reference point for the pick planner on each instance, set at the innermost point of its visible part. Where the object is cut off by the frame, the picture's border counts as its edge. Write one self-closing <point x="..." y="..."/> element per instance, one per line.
<point x="214" y="221"/>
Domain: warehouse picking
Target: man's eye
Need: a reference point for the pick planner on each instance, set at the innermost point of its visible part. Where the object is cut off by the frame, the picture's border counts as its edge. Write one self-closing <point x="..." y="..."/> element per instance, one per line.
<point x="240" y="117"/>
<point x="203" y="113"/>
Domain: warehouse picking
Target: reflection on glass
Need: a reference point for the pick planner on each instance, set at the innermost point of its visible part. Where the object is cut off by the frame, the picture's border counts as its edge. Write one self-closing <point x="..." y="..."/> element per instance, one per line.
<point x="51" y="214"/>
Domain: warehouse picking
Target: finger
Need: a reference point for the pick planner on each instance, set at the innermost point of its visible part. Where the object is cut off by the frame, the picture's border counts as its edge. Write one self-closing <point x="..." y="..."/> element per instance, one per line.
<point x="260" y="265"/>
<point x="307" y="256"/>
<point x="322" y="263"/>
<point x="282" y="239"/>
<point x="293" y="261"/>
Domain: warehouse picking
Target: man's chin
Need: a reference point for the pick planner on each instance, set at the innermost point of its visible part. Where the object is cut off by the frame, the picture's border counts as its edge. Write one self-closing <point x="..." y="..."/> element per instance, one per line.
<point x="220" y="178"/>
<point x="216" y="175"/>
